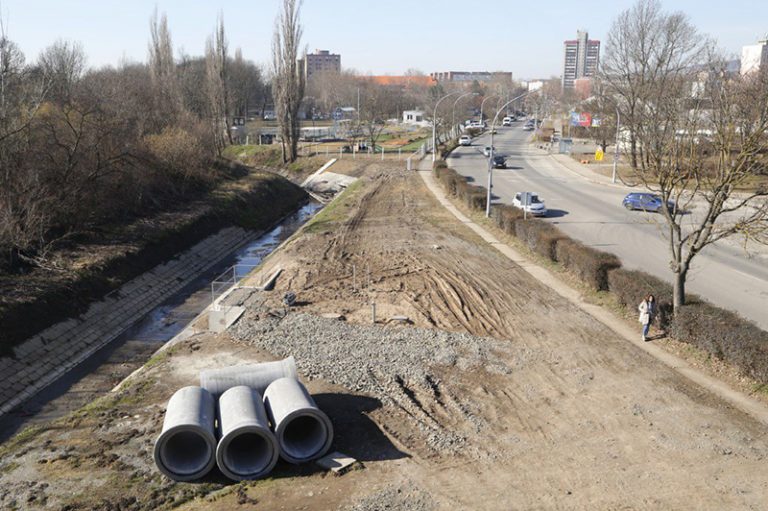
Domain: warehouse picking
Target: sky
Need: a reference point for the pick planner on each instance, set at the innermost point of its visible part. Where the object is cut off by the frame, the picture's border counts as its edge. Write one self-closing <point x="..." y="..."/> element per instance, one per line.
<point x="522" y="36"/>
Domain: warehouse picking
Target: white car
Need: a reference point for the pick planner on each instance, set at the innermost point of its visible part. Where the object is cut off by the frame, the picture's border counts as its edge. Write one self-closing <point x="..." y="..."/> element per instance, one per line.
<point x="487" y="150"/>
<point x="535" y="206"/>
<point x="465" y="140"/>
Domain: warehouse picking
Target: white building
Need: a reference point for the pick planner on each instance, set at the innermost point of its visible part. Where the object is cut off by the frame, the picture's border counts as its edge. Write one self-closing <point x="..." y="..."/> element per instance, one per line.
<point x="414" y="117"/>
<point x="754" y="57"/>
<point x="533" y="85"/>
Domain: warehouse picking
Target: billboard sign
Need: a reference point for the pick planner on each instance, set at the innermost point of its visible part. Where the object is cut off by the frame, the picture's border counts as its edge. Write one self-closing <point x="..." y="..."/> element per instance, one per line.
<point x="581" y="119"/>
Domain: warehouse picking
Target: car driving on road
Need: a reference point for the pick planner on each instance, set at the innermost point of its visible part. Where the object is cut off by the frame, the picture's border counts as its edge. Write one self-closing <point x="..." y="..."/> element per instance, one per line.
<point x="499" y="162"/>
<point x="645" y="202"/>
<point x="487" y="150"/>
<point x="535" y="205"/>
<point x="465" y="140"/>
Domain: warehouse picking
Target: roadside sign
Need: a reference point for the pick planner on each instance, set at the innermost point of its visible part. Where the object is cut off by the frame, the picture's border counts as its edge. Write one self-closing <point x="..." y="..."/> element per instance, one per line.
<point x="599" y="154"/>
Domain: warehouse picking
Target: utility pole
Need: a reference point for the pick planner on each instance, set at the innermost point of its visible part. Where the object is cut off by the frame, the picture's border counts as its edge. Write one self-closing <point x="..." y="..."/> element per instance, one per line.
<point x="616" y="155"/>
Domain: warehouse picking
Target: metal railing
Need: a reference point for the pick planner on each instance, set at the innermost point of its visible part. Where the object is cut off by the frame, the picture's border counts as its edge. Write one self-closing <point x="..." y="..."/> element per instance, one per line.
<point x="229" y="278"/>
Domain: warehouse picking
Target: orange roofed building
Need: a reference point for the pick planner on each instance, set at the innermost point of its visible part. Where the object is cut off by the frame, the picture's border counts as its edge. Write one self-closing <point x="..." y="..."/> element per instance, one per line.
<point x="402" y="81"/>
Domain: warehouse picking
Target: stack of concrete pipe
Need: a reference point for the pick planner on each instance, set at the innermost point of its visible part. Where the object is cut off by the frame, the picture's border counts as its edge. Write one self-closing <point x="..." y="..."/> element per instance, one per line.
<point x="258" y="413"/>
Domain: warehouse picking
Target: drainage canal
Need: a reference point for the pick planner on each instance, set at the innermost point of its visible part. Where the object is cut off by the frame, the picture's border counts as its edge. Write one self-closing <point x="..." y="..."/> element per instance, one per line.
<point x="107" y="367"/>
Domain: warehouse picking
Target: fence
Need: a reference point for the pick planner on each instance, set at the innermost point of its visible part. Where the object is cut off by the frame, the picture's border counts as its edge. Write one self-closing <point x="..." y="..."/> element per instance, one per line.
<point x="229" y="278"/>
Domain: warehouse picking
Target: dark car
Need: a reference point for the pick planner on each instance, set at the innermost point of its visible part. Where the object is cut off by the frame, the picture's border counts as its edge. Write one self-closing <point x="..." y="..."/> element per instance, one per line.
<point x="646" y="202"/>
<point x="499" y="162"/>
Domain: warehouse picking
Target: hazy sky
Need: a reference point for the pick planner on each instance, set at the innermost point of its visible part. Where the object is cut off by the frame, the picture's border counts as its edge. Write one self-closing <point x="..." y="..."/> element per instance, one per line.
<point x="388" y="37"/>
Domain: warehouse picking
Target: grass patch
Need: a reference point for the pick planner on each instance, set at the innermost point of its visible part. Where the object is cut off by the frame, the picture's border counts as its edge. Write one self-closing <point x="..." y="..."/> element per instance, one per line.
<point x="335" y="212"/>
<point x="27" y="435"/>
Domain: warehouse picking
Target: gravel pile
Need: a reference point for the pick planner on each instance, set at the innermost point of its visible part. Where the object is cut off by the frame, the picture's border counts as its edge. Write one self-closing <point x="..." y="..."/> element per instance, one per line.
<point x="394" y="498"/>
<point x="391" y="364"/>
<point x="368" y="359"/>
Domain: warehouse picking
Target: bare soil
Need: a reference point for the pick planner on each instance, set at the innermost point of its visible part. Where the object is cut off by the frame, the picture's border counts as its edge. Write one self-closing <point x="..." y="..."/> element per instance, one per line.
<point x="563" y="414"/>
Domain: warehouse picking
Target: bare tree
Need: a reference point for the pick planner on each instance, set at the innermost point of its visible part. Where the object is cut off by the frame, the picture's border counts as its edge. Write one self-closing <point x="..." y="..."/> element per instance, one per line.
<point x="704" y="149"/>
<point x="216" y="66"/>
<point x="646" y="49"/>
<point x="288" y="78"/>
<point x="167" y="100"/>
<point x="63" y="64"/>
<point x="377" y="103"/>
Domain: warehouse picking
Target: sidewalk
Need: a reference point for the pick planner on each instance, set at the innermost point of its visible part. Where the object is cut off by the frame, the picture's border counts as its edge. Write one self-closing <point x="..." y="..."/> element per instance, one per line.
<point x="741" y="401"/>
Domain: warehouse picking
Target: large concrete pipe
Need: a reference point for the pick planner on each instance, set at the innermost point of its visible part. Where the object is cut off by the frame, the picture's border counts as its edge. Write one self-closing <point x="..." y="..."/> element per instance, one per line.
<point x="185" y="449"/>
<point x="303" y="431"/>
<point x="256" y="376"/>
<point x="247" y="448"/>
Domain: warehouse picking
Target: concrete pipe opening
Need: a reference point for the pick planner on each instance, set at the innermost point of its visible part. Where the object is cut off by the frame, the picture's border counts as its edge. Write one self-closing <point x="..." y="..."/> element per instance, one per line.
<point x="247" y="455"/>
<point x="185" y="449"/>
<point x="186" y="454"/>
<point x="247" y="449"/>
<point x="303" y="437"/>
<point x="303" y="431"/>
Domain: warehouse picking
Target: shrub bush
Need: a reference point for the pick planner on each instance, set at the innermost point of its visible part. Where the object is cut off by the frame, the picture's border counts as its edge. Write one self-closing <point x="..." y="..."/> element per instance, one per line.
<point x="631" y="286"/>
<point x="475" y="197"/>
<point x="590" y="265"/>
<point x="505" y="217"/>
<point x="725" y="335"/>
<point x="540" y="237"/>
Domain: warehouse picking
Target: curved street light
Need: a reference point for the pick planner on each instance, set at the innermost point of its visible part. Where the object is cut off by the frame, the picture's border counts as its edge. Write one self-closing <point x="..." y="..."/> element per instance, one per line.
<point x="434" y="124"/>
<point x="483" y="103"/>
<point x="490" y="153"/>
<point x="453" y="111"/>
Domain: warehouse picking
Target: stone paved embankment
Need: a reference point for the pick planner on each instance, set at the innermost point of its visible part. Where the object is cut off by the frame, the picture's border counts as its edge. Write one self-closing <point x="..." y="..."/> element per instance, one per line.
<point x="42" y="359"/>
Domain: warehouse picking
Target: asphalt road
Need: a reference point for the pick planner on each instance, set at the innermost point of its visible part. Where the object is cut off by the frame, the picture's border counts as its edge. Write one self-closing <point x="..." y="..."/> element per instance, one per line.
<point x="592" y="213"/>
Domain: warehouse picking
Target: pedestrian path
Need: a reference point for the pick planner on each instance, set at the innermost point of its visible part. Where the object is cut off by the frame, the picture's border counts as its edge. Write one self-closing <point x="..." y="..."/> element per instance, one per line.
<point x="737" y="399"/>
<point x="42" y="359"/>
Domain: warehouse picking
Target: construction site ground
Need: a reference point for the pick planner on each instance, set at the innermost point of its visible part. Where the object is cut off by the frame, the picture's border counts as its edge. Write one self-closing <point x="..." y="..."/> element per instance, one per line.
<point x="478" y="387"/>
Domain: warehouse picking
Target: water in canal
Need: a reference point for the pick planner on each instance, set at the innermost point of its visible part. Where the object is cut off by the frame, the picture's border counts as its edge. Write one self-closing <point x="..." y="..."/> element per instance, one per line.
<point x="135" y="346"/>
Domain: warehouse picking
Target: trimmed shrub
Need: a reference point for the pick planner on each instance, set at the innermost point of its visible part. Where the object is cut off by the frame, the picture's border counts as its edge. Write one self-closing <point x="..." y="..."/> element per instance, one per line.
<point x="725" y="335"/>
<point x="450" y="180"/>
<point x="505" y="217"/>
<point x="475" y="197"/>
<point x="590" y="265"/>
<point x="631" y="286"/>
<point x="540" y="237"/>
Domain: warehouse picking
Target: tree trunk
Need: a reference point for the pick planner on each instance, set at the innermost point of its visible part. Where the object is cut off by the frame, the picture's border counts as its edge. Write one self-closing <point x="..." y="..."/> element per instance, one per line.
<point x="678" y="289"/>
<point x="633" y="149"/>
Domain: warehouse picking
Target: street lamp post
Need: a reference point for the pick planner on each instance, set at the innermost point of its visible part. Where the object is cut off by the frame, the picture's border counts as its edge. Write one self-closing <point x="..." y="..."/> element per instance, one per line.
<point x="453" y="111"/>
<point x="483" y="103"/>
<point x="490" y="153"/>
<point x="434" y="125"/>
<point x="616" y="155"/>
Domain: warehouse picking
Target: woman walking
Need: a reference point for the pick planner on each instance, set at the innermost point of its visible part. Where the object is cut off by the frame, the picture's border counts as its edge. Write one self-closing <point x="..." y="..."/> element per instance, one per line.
<point x="647" y="310"/>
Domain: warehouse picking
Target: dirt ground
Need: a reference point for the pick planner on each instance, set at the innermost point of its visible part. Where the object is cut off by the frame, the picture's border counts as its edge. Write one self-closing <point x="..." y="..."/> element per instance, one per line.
<point x="563" y="414"/>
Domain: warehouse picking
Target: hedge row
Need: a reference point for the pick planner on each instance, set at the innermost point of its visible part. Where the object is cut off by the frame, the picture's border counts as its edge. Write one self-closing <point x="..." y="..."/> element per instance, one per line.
<point x="457" y="186"/>
<point x="724" y="335"/>
<point x="630" y="287"/>
<point x="721" y="333"/>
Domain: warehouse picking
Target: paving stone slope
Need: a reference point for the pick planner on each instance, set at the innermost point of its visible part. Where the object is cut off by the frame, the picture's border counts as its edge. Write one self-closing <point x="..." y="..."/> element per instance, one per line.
<point x="42" y="359"/>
